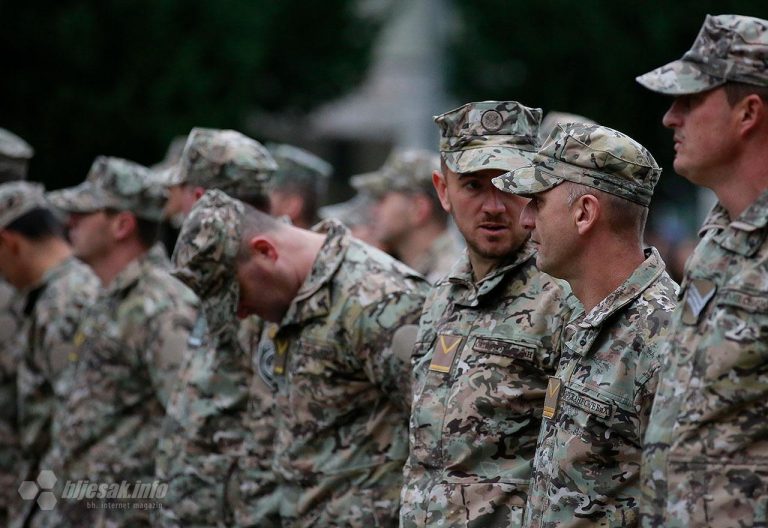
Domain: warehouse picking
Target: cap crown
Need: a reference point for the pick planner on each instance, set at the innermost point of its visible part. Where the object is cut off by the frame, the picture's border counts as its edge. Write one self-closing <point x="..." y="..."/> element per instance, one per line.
<point x="226" y="160"/>
<point x="410" y="169"/>
<point x="19" y="198"/>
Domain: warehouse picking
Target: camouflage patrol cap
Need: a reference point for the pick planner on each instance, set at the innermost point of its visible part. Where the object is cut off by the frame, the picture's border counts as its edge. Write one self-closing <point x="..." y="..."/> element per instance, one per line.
<point x="552" y="119"/>
<point x="354" y="212"/>
<point x="370" y="184"/>
<point x="204" y="257"/>
<point x="19" y="198"/>
<point x="15" y="154"/>
<point x="488" y="135"/>
<point x="409" y="170"/>
<point x="591" y="155"/>
<point x="114" y="183"/>
<point x="300" y="166"/>
<point x="226" y="160"/>
<point x="728" y="48"/>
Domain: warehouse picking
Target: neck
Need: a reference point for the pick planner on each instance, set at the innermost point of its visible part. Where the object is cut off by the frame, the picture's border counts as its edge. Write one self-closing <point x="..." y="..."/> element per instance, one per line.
<point x="46" y="256"/>
<point x="482" y="266"/>
<point x="111" y="264"/>
<point x="305" y="245"/>
<point x="618" y="261"/>
<point x="742" y="183"/>
<point x="418" y="243"/>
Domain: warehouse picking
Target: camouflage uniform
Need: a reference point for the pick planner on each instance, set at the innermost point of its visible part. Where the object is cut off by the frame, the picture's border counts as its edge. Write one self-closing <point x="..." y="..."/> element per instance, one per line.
<point x="705" y="460"/>
<point x="587" y="464"/>
<point x="483" y="354"/>
<point x="216" y="447"/>
<point x="341" y="390"/>
<point x="15" y="154"/>
<point x="299" y="172"/>
<point x="128" y="350"/>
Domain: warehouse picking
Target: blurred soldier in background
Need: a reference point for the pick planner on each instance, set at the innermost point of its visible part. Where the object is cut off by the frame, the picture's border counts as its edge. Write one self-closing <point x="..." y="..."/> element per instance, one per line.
<point x="409" y="218"/>
<point x="487" y="338"/>
<point x="15" y="154"/>
<point x="342" y="383"/>
<point x="129" y="345"/>
<point x="216" y="448"/>
<point x="56" y="288"/>
<point x="590" y="188"/>
<point x="299" y="186"/>
<point x="705" y="461"/>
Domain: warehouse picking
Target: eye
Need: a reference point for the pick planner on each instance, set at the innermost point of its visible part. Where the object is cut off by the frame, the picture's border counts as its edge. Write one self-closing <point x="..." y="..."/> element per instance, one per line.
<point x="471" y="185"/>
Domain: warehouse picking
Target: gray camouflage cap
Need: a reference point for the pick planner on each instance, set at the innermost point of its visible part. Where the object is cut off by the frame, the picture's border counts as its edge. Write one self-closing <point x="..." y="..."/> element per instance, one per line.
<point x="300" y="166"/>
<point x="226" y="160"/>
<point x="205" y="254"/>
<point x="591" y="155"/>
<point x="728" y="48"/>
<point x="114" y="183"/>
<point x="370" y="184"/>
<point x="488" y="135"/>
<point x="354" y="212"/>
<point x="15" y="154"/>
<point x="409" y="170"/>
<point x="19" y="198"/>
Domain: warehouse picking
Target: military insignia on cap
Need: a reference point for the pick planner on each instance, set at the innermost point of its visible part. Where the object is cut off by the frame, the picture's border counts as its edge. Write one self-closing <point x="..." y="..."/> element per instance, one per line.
<point x="697" y="295"/>
<point x="491" y="120"/>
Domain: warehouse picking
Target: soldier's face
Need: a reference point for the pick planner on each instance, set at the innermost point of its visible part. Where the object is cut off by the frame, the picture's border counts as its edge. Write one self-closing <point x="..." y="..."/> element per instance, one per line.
<point x="547" y="216"/>
<point x="181" y="199"/>
<point x="705" y="141"/>
<point x="393" y="218"/>
<point x="486" y="217"/>
<point x="90" y="235"/>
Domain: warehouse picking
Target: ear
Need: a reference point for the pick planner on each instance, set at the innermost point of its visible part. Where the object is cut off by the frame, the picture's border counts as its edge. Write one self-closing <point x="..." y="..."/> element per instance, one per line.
<point x="293" y="205"/>
<point x="263" y="248"/>
<point x="585" y="212"/>
<point x="421" y="208"/>
<point x="10" y="240"/>
<point x="123" y="225"/>
<point x="438" y="180"/>
<point x="751" y="112"/>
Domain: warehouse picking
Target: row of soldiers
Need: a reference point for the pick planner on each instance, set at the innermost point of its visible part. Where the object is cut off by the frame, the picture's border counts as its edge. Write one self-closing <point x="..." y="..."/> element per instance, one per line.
<point x="275" y="375"/>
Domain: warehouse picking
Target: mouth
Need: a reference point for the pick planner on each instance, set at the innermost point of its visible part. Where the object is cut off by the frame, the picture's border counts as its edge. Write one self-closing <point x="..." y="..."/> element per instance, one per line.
<point x="494" y="228"/>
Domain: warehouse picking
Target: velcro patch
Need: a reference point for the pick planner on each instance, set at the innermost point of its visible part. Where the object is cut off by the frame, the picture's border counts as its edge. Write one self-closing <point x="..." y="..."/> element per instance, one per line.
<point x="585" y="403"/>
<point x="550" y="398"/>
<point x="445" y="351"/>
<point x="498" y="347"/>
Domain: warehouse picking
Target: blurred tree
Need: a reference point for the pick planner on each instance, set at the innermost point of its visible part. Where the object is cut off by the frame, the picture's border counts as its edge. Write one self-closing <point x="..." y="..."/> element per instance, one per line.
<point x="583" y="57"/>
<point x="122" y="77"/>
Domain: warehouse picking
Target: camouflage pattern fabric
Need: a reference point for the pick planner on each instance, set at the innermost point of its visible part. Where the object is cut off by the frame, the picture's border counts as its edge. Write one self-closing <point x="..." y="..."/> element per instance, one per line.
<point x="705" y="452"/>
<point x="587" y="465"/>
<point x="440" y="258"/>
<point x="19" y="198"/>
<point x="15" y="154"/>
<point x="591" y="155"/>
<point x="53" y="310"/>
<point x="216" y="449"/>
<point x="114" y="183"/>
<point x="369" y="184"/>
<point x="488" y="135"/>
<point x="554" y="118"/>
<point x="728" y="48"/>
<point x="482" y="358"/>
<point x="10" y="449"/>
<point x="296" y="165"/>
<point x="129" y="348"/>
<point x="409" y="170"/>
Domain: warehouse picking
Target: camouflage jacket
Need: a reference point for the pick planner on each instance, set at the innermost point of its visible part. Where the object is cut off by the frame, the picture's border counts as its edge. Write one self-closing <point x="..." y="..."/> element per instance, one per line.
<point x="482" y="358"/>
<point x="129" y="348"/>
<point x="52" y="312"/>
<point x="342" y="393"/>
<point x="10" y="450"/>
<point x="586" y="469"/>
<point x="438" y="261"/>
<point x="705" y="460"/>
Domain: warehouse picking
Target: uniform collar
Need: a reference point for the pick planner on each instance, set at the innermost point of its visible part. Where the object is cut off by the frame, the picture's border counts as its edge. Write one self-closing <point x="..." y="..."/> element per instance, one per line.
<point x="640" y="280"/>
<point x="128" y="276"/>
<point x="746" y="234"/>
<point x="314" y="296"/>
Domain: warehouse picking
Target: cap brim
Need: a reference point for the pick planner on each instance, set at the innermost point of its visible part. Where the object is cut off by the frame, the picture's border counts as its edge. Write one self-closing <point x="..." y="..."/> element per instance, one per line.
<point x="168" y="177"/>
<point x="679" y="78"/>
<point x="493" y="157"/>
<point x="80" y="199"/>
<point x="526" y="181"/>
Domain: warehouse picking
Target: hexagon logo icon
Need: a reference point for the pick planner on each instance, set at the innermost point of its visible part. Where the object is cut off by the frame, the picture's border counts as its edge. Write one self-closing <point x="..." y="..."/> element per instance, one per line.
<point x="44" y="484"/>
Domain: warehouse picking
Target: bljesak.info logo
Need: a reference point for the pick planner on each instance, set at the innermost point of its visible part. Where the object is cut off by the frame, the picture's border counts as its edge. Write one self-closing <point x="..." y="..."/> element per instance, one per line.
<point x="135" y="495"/>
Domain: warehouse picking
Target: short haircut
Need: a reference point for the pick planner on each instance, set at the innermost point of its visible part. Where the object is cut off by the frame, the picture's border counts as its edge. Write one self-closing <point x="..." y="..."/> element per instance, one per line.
<point x="255" y="223"/>
<point x="147" y="231"/>
<point x="623" y="215"/>
<point x="38" y="224"/>
<point x="310" y="196"/>
<point x="736" y="91"/>
<point x="256" y="200"/>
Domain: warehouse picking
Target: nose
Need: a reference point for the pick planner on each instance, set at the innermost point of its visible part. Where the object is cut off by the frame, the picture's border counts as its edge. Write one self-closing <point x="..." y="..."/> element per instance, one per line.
<point x="527" y="219"/>
<point x="672" y="117"/>
<point x="494" y="203"/>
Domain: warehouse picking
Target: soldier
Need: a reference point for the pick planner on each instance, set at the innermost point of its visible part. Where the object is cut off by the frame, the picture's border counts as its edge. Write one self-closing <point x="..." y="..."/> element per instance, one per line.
<point x="704" y="460"/>
<point x="341" y="366"/>
<point x="486" y="339"/>
<point x="590" y="187"/>
<point x="409" y="218"/>
<point x="299" y="185"/>
<point x="129" y="345"/>
<point x="15" y="154"/>
<point x="216" y="448"/>
<point x="56" y="288"/>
